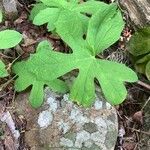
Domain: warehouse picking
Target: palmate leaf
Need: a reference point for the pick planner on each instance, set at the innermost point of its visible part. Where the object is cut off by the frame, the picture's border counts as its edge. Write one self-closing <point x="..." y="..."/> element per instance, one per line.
<point x="47" y="65"/>
<point x="54" y="8"/>
<point x="3" y="71"/>
<point x="36" y="72"/>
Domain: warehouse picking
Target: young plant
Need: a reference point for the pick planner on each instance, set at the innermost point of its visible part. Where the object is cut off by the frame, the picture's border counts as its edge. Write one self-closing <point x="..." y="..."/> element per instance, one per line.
<point x="48" y="11"/>
<point x="139" y="47"/>
<point x="8" y="39"/>
<point x="46" y="65"/>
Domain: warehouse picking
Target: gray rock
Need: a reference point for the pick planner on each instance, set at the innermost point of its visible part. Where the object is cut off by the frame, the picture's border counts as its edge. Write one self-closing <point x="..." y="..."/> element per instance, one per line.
<point x="45" y="119"/>
<point x="90" y="127"/>
<point x="10" y="8"/>
<point x="61" y="124"/>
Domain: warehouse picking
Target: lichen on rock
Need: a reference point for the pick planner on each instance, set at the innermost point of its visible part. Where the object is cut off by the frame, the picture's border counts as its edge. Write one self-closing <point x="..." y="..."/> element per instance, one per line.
<point x="61" y="124"/>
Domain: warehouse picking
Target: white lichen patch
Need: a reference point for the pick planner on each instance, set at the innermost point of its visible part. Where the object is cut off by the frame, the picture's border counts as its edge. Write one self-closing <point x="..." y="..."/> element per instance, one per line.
<point x="108" y="106"/>
<point x="52" y="104"/>
<point x="45" y="119"/>
<point x="77" y="117"/>
<point x="66" y="97"/>
<point x="63" y="126"/>
<point x="98" y="105"/>
<point x="81" y="137"/>
<point x="102" y="146"/>
<point x="66" y="142"/>
<point x="98" y="137"/>
<point x="88" y="143"/>
<point x="101" y="124"/>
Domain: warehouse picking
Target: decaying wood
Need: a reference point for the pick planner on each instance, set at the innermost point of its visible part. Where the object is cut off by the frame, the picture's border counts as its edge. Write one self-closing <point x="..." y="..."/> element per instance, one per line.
<point x="137" y="10"/>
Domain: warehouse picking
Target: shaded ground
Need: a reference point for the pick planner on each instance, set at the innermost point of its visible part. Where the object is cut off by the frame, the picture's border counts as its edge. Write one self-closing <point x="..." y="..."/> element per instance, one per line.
<point x="133" y="114"/>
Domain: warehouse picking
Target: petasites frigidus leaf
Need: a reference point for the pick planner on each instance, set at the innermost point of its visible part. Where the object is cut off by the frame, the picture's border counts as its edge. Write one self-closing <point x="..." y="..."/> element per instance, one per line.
<point x="47" y="65"/>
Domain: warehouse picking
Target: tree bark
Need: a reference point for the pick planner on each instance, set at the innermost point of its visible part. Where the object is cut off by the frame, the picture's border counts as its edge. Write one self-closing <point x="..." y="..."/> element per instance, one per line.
<point x="137" y="10"/>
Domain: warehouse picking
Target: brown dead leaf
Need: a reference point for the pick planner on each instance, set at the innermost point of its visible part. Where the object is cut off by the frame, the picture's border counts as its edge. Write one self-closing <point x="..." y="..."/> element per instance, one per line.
<point x="138" y="117"/>
<point x="9" y="143"/>
<point x="129" y="145"/>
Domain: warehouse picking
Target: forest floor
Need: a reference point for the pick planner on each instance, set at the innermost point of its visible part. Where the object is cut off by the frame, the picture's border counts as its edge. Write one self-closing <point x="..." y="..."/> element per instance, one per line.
<point x="130" y="113"/>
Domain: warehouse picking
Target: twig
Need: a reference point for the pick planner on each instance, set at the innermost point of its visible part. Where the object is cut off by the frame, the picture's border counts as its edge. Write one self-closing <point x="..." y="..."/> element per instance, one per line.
<point x="5" y="56"/>
<point x="1" y="96"/>
<point x="147" y="133"/>
<point x="10" y="65"/>
<point x="144" y="84"/>
<point x="5" y="84"/>
<point x="145" y="103"/>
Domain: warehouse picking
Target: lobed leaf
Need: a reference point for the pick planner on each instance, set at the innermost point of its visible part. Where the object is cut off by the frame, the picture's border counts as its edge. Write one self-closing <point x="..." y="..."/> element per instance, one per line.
<point x="36" y="72"/>
<point x="47" y="66"/>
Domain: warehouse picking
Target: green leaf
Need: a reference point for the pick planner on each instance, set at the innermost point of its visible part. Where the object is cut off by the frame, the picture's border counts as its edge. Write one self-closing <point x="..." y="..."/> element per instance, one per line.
<point x="47" y="65"/>
<point x="90" y="7"/>
<point x="3" y="71"/>
<point x="104" y="29"/>
<point x="55" y="8"/>
<point x="9" y="38"/>
<point x="144" y="59"/>
<point x="55" y="3"/>
<point x="74" y="31"/>
<point x="139" y="43"/>
<point x="148" y="70"/>
<point x="42" y="66"/>
<point x="32" y="73"/>
<point x="49" y="15"/>
<point x="36" y="9"/>
<point x="139" y="47"/>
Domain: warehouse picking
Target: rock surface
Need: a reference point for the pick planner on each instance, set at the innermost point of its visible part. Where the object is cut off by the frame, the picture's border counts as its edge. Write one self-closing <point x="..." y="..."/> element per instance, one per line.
<point x="137" y="10"/>
<point x="10" y="8"/>
<point x="59" y="124"/>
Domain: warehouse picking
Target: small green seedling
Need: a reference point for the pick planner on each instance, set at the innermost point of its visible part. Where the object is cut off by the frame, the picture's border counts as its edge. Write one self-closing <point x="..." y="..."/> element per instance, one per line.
<point x="46" y="65"/>
<point x="48" y="11"/>
<point x="139" y="47"/>
<point x="8" y="39"/>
